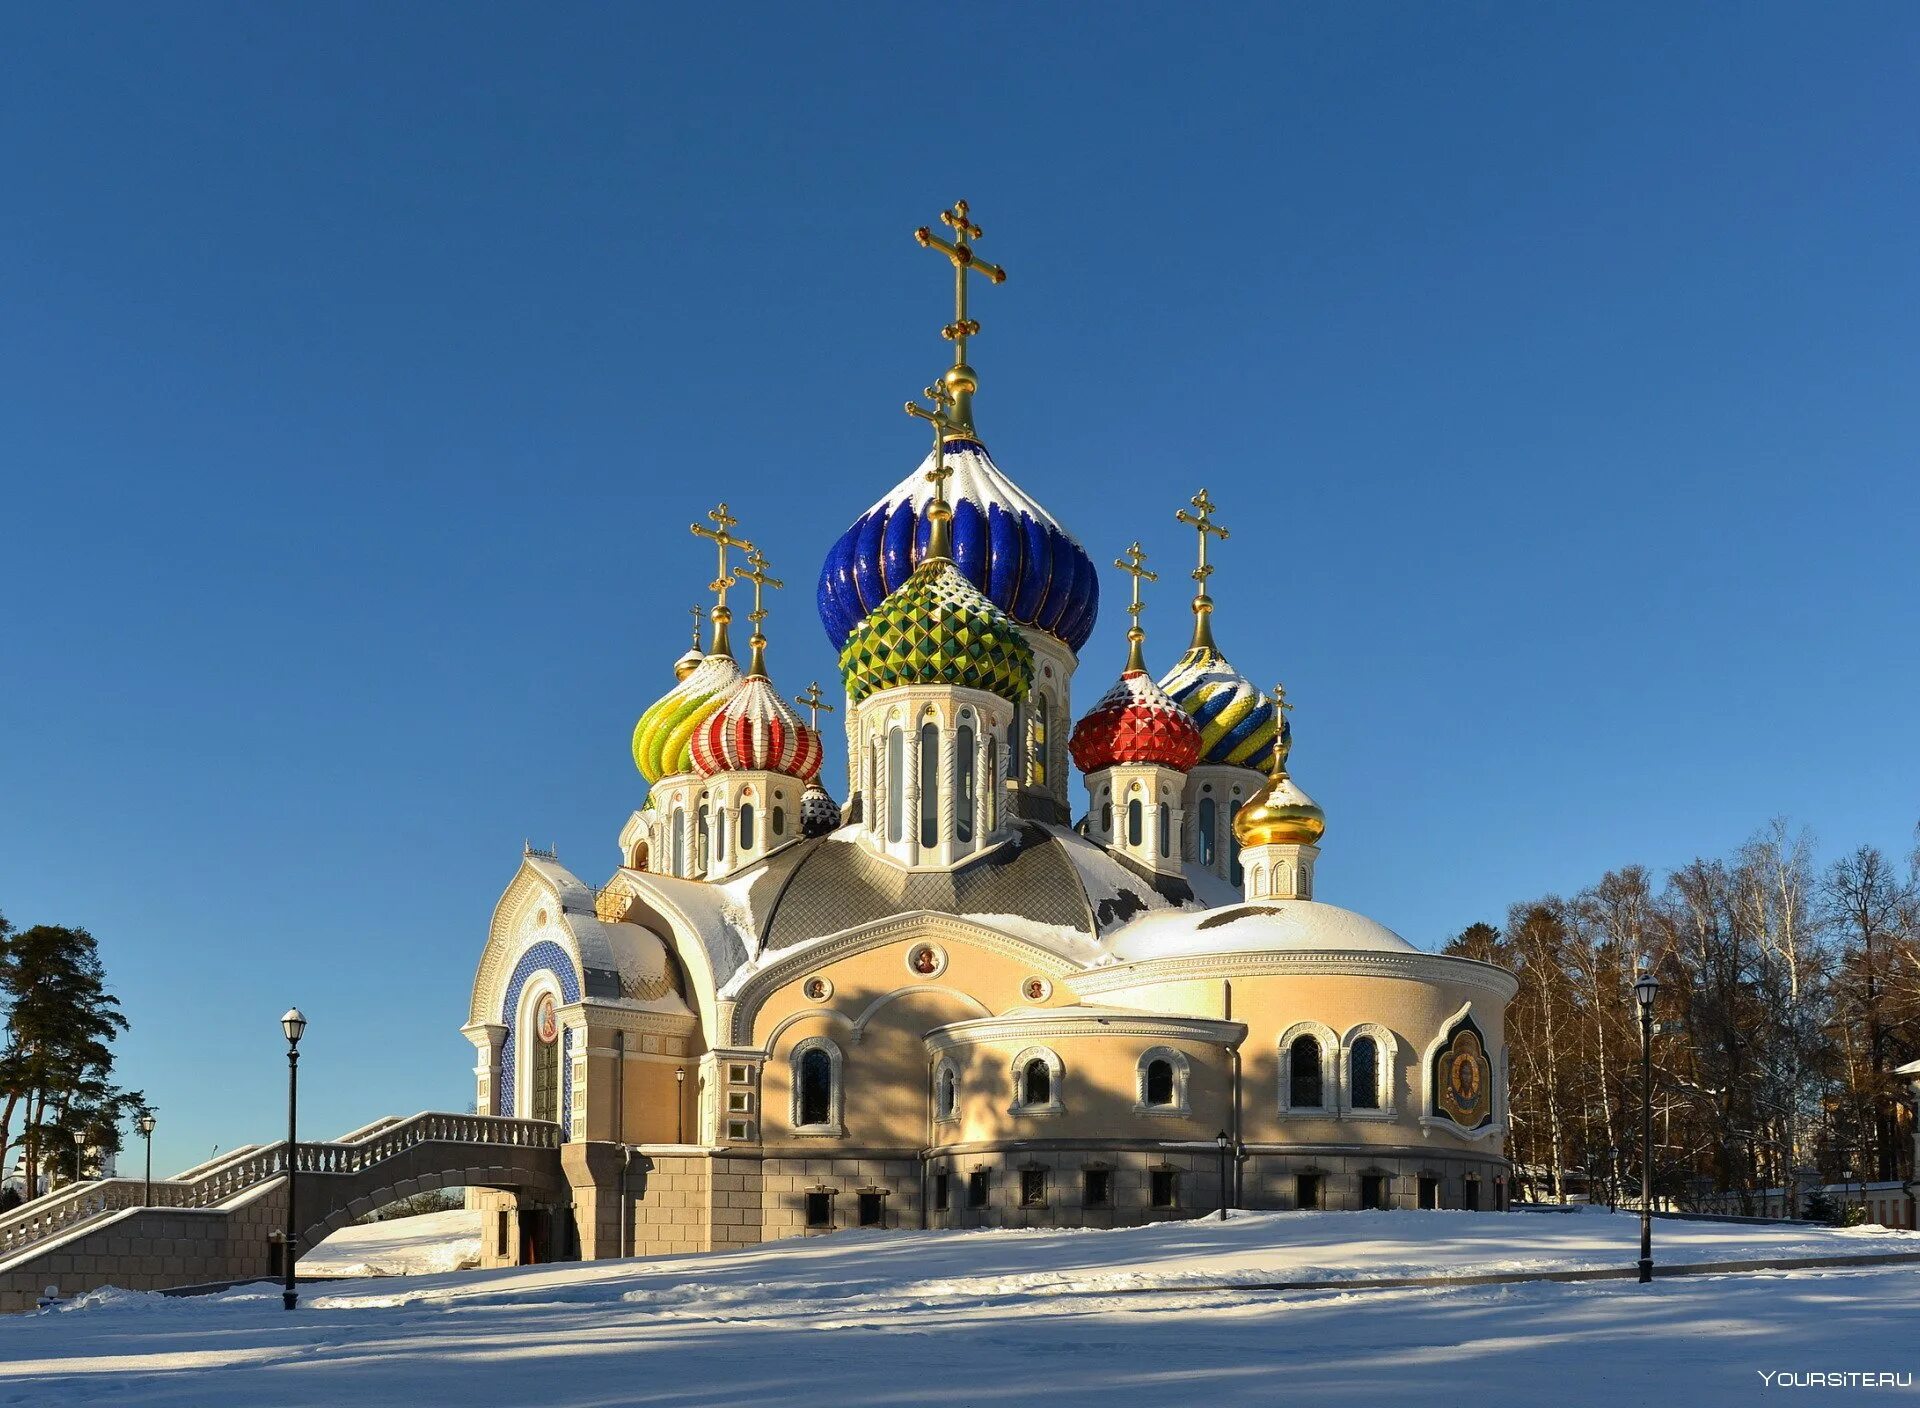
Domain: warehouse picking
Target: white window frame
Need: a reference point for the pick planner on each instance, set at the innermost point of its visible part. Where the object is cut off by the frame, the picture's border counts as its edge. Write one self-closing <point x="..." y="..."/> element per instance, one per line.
<point x="1182" y="1069"/>
<point x="1387" y="1072"/>
<point x="1331" y="1085"/>
<point x="1056" y="1081"/>
<point x="835" y="1127"/>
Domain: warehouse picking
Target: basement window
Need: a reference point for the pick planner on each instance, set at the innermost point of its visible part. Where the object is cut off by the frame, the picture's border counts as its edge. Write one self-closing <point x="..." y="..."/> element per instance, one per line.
<point x="820" y="1211"/>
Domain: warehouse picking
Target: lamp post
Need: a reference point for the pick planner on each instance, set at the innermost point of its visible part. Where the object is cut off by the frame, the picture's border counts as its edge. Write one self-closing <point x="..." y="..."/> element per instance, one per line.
<point x="1224" y="1144"/>
<point x="680" y="1102"/>
<point x="145" y="1127"/>
<point x="294" y="1024"/>
<point x="1613" y="1178"/>
<point x="1846" y="1195"/>
<point x="1645" y="989"/>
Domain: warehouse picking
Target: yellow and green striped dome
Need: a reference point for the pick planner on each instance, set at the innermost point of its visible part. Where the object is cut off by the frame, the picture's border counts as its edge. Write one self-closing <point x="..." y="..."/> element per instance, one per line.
<point x="662" y="740"/>
<point x="938" y="628"/>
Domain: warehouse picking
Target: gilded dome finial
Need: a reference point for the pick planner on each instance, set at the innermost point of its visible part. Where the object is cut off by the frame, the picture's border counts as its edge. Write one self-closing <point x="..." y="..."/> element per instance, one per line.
<point x="1203" y="524"/>
<point x="690" y="661"/>
<point x="756" y="572"/>
<point x="1280" y="813"/>
<point x="960" y="378"/>
<point x="1283" y="737"/>
<point x="721" y="536"/>
<point x="1133" y="563"/>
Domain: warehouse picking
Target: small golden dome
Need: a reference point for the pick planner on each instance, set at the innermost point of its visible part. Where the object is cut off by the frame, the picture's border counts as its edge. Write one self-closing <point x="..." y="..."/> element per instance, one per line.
<point x="1280" y="814"/>
<point x="687" y="664"/>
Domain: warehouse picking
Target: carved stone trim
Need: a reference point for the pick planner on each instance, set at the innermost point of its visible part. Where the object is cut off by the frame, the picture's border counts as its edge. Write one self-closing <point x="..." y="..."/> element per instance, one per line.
<point x="1359" y="963"/>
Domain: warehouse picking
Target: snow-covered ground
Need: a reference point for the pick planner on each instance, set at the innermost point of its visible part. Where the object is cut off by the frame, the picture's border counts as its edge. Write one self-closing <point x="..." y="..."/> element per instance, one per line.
<point x="406" y="1246"/>
<point x="1012" y="1318"/>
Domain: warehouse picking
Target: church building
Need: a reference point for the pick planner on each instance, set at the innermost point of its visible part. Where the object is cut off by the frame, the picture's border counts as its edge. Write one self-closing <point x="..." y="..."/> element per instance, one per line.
<point x="945" y="1001"/>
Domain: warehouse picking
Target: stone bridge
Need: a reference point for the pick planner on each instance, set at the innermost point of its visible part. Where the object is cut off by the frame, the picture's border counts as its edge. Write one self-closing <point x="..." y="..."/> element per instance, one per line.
<point x="223" y="1221"/>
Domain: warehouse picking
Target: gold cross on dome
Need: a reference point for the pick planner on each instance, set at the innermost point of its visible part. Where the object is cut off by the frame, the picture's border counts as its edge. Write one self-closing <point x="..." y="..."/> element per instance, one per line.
<point x="943" y="425"/>
<point x="960" y="251"/>
<point x="756" y="572"/>
<point x="1133" y="563"/>
<point x="699" y="620"/>
<point x="813" y="701"/>
<point x="721" y="536"/>
<point x="1203" y="523"/>
<point x="1282" y="733"/>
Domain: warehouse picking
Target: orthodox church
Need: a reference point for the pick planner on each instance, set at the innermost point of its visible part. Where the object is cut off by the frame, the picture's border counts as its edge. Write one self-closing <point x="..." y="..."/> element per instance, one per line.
<point x="943" y="1001"/>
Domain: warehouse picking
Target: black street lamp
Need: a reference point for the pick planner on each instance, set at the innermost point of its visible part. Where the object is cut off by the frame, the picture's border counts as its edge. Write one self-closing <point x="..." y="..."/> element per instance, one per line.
<point x="1225" y="1145"/>
<point x="680" y="1103"/>
<point x="1613" y="1179"/>
<point x="294" y="1024"/>
<point x="145" y="1127"/>
<point x="1645" y="989"/>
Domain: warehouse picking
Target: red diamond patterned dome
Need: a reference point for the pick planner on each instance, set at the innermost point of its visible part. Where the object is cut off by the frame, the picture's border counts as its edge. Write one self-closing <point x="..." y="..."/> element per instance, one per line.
<point x="1135" y="722"/>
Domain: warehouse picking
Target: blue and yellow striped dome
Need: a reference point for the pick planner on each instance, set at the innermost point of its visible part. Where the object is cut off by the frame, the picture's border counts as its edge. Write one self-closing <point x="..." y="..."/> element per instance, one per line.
<point x="1012" y="550"/>
<point x="1235" y="718"/>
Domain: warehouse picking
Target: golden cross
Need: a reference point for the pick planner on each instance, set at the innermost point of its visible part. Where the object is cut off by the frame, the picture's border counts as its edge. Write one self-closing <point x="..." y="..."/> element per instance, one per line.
<point x="1134" y="563"/>
<point x="699" y="620"/>
<point x="814" y="701"/>
<point x="937" y="417"/>
<point x="722" y="537"/>
<point x="960" y="251"/>
<point x="1203" y="523"/>
<point x="1282" y="734"/>
<point x="756" y="572"/>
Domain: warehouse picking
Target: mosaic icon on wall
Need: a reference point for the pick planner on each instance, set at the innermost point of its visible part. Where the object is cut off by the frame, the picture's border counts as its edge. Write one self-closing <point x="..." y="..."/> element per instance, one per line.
<point x="1463" y="1077"/>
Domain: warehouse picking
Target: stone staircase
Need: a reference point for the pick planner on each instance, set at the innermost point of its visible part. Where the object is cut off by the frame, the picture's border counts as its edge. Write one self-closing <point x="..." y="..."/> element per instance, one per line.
<point x="220" y="1220"/>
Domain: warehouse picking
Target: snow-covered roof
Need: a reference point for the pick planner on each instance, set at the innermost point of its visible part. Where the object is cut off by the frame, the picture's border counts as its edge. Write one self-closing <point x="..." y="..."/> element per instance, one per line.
<point x="1242" y="928"/>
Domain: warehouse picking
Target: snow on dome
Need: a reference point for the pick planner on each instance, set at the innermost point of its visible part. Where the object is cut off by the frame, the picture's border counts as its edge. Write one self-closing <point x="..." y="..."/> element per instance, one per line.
<point x="1008" y="546"/>
<point x="662" y="738"/>
<point x="1250" y="928"/>
<point x="1135" y="722"/>
<point x="756" y="731"/>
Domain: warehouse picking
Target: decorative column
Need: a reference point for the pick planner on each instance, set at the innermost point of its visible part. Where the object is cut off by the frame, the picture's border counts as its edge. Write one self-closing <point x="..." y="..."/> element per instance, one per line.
<point x="487" y="1039"/>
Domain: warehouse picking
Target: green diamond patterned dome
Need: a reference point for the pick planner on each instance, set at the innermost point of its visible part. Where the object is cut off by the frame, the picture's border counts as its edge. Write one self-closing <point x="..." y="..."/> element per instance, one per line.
<point x="938" y="628"/>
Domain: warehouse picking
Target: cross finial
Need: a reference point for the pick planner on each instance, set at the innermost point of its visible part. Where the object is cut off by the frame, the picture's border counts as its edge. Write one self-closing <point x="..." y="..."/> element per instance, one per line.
<point x="959" y="250"/>
<point x="756" y="572"/>
<point x="1133" y="563"/>
<point x="721" y="536"/>
<point x="1202" y="523"/>
<point x="813" y="701"/>
<point x="1283" y="731"/>
<point x="939" y="513"/>
<point x="699" y="620"/>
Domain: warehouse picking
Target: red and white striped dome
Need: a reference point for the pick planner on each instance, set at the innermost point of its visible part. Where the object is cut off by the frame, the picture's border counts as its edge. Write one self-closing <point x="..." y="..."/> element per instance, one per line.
<point x="1135" y="722"/>
<point x="757" y="732"/>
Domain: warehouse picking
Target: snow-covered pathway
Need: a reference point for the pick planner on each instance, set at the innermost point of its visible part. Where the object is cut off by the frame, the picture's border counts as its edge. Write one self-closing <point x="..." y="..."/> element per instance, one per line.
<point x="976" y="1319"/>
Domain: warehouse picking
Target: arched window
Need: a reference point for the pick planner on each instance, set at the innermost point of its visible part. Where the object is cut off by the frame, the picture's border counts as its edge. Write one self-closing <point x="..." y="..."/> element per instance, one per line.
<point x="1036" y="1083"/>
<point x="993" y="784"/>
<point x="929" y="783"/>
<point x="1135" y="819"/>
<point x="1166" y="829"/>
<point x="679" y="840"/>
<point x="544" y="1048"/>
<point x="947" y="1094"/>
<point x="1203" y="851"/>
<point x="896" y="782"/>
<point x="963" y="780"/>
<point x="1106" y="818"/>
<point x="720" y="835"/>
<point x="746" y="825"/>
<point x="1161" y="1082"/>
<point x="816" y="1086"/>
<point x="1303" y="1075"/>
<point x="1233" y="843"/>
<point x="1363" y="1078"/>
<point x="702" y="842"/>
<point x="779" y="821"/>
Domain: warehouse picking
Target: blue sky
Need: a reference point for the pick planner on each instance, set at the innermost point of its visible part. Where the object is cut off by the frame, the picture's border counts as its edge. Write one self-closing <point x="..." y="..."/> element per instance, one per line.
<point x="1553" y="367"/>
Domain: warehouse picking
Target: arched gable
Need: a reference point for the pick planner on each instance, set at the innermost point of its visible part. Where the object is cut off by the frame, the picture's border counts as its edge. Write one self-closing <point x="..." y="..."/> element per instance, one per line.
<point x="543" y="902"/>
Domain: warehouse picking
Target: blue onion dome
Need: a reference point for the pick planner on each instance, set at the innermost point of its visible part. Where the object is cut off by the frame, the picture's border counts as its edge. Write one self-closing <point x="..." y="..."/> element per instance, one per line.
<point x="1004" y="543"/>
<point x="1235" y="719"/>
<point x="939" y="628"/>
